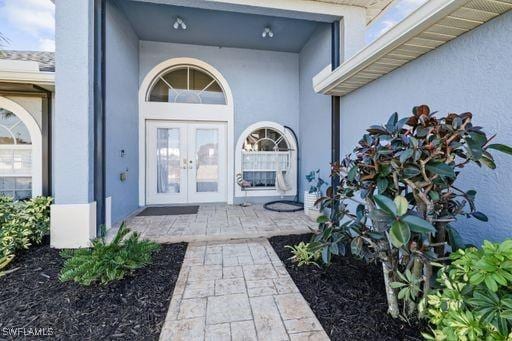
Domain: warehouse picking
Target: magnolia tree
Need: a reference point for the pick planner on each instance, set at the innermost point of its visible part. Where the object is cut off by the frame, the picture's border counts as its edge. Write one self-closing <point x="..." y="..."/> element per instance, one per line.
<point x="398" y="195"/>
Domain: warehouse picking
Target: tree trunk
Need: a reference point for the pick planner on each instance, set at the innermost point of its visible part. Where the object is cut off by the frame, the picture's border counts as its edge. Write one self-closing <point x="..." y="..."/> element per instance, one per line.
<point x="440" y="238"/>
<point x="388" y="267"/>
<point x="393" y="309"/>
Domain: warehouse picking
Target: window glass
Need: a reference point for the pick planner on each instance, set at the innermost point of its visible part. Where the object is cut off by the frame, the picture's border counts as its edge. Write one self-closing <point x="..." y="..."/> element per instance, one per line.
<point x="15" y="157"/>
<point x="187" y="84"/>
<point x="265" y="151"/>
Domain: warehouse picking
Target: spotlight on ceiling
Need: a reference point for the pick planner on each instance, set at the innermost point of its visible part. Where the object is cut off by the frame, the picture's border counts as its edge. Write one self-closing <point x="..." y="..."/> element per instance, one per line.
<point x="267" y="32"/>
<point x="179" y="23"/>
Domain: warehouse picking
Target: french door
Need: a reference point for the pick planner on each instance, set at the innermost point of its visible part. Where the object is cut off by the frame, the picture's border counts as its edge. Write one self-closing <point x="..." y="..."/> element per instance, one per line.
<point x="186" y="162"/>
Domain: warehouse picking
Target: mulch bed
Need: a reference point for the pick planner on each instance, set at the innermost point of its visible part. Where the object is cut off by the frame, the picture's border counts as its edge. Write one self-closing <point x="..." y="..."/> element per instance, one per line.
<point x="348" y="298"/>
<point x="133" y="308"/>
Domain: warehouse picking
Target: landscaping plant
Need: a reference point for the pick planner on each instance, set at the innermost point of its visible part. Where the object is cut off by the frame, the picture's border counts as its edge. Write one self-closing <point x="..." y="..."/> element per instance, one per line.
<point x="106" y="262"/>
<point x="22" y="223"/>
<point x="315" y="182"/>
<point x="397" y="197"/>
<point x="474" y="301"/>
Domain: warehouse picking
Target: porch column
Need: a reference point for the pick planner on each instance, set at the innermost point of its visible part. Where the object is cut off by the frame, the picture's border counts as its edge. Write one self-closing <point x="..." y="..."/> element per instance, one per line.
<point x="73" y="214"/>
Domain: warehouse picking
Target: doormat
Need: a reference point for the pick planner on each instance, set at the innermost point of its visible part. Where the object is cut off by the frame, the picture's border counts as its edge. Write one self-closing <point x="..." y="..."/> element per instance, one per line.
<point x="168" y="210"/>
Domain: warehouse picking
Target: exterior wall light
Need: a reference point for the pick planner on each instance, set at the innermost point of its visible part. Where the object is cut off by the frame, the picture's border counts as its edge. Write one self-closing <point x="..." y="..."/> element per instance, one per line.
<point x="267" y="32"/>
<point x="179" y="23"/>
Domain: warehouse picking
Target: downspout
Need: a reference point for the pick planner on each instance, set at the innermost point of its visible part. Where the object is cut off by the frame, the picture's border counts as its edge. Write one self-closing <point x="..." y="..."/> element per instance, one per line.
<point x="99" y="113"/>
<point x="335" y="110"/>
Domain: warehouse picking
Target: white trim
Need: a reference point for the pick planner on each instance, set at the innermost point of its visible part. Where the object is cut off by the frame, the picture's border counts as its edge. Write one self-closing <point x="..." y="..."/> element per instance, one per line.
<point x="73" y="225"/>
<point x="350" y="75"/>
<point x="41" y="78"/>
<point x="298" y="9"/>
<point x="37" y="141"/>
<point x="184" y="112"/>
<point x="293" y="160"/>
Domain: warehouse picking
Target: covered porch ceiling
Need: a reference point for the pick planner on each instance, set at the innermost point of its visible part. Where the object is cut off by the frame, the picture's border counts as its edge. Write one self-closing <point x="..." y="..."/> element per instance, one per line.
<point x="211" y="27"/>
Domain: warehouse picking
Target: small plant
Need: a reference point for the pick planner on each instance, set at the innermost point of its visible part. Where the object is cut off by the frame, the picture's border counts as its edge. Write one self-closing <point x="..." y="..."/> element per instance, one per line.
<point x="315" y="182"/>
<point x="22" y="224"/>
<point x="304" y="254"/>
<point x="106" y="262"/>
<point x="474" y="301"/>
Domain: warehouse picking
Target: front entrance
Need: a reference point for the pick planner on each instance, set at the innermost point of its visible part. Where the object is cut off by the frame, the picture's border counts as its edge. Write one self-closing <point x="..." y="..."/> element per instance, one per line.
<point x="186" y="162"/>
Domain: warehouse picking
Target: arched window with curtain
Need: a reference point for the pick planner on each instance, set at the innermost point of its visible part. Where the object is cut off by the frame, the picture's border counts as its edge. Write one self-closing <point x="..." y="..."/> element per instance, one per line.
<point x="15" y="157"/>
<point x="264" y="152"/>
<point x="186" y="84"/>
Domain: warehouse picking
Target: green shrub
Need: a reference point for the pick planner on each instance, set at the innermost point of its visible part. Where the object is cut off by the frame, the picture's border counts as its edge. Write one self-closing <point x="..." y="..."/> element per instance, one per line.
<point x="397" y="197"/>
<point x="304" y="254"/>
<point x="106" y="262"/>
<point x="474" y="301"/>
<point x="22" y="223"/>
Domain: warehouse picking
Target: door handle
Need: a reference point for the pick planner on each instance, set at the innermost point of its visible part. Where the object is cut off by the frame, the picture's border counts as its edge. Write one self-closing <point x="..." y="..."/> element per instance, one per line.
<point x="190" y="164"/>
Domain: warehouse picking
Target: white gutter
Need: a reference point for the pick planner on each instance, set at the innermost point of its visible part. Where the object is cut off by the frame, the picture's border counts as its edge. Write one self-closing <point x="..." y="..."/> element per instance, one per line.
<point x="40" y="78"/>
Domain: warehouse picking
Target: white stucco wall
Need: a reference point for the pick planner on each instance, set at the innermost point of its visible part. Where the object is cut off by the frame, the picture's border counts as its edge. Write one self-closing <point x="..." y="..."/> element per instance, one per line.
<point x="472" y="73"/>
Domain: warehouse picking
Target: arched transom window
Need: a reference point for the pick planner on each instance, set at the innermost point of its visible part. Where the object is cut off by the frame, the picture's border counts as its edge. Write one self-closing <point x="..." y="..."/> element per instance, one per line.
<point x="265" y="151"/>
<point x="186" y="84"/>
<point x="15" y="157"/>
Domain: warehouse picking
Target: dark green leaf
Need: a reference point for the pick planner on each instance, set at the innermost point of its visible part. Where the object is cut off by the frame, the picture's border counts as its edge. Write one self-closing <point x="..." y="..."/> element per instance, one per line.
<point x="480" y="216"/>
<point x="501" y="148"/>
<point x="399" y="233"/>
<point x="475" y="143"/>
<point x="322" y="219"/>
<point x="385" y="204"/>
<point x="411" y="171"/>
<point x="382" y="185"/>
<point x="417" y="224"/>
<point x="352" y="173"/>
<point x="441" y="169"/>
<point x="406" y="154"/>
<point x="454" y="238"/>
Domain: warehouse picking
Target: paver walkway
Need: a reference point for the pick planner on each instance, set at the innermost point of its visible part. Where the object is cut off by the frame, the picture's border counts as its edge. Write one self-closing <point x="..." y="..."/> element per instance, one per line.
<point x="237" y="290"/>
<point x="219" y="222"/>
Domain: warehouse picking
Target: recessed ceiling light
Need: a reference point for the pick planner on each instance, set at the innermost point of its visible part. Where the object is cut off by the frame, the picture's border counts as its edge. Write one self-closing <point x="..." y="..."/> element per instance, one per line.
<point x="267" y="32"/>
<point x="179" y="23"/>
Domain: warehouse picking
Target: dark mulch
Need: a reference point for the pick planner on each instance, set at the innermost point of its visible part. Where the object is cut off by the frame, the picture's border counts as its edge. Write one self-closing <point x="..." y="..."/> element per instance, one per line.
<point x="348" y="298"/>
<point x="133" y="308"/>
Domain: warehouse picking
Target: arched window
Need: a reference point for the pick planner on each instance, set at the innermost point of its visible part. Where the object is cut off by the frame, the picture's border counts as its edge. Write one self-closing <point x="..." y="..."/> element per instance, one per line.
<point x="186" y="84"/>
<point x="15" y="157"/>
<point x="265" y="151"/>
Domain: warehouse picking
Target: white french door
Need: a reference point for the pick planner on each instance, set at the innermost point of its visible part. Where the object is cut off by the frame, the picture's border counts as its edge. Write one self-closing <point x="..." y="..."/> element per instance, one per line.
<point x="186" y="162"/>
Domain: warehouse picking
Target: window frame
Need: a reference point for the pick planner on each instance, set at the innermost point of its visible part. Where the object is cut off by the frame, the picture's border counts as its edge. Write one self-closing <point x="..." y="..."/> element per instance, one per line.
<point x="160" y="77"/>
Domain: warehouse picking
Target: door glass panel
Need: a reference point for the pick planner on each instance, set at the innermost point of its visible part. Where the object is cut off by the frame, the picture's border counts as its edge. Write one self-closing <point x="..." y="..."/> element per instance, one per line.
<point x="168" y="160"/>
<point x="207" y="160"/>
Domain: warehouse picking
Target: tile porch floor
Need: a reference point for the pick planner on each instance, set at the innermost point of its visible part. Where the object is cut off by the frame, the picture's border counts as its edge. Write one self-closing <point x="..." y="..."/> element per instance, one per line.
<point x="232" y="285"/>
<point x="220" y="222"/>
<point x="237" y="290"/>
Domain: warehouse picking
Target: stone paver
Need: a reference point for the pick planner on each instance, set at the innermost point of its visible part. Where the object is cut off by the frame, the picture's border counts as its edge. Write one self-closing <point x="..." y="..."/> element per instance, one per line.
<point x="221" y="222"/>
<point x="237" y="290"/>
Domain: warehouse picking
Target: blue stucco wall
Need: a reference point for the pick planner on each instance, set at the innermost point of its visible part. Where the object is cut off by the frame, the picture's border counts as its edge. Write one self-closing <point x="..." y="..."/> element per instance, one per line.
<point x="122" y="82"/>
<point x="315" y="109"/>
<point x="472" y="73"/>
<point x="265" y="84"/>
<point x="73" y="175"/>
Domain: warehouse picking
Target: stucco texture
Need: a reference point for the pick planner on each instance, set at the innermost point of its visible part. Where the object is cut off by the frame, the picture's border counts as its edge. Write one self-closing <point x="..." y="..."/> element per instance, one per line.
<point x="315" y="109"/>
<point x="472" y="73"/>
<point x="121" y="107"/>
<point x="265" y="84"/>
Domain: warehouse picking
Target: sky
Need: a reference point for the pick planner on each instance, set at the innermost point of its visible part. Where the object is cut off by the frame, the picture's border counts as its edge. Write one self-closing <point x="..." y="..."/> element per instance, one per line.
<point x="30" y="24"/>
<point x="394" y="14"/>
